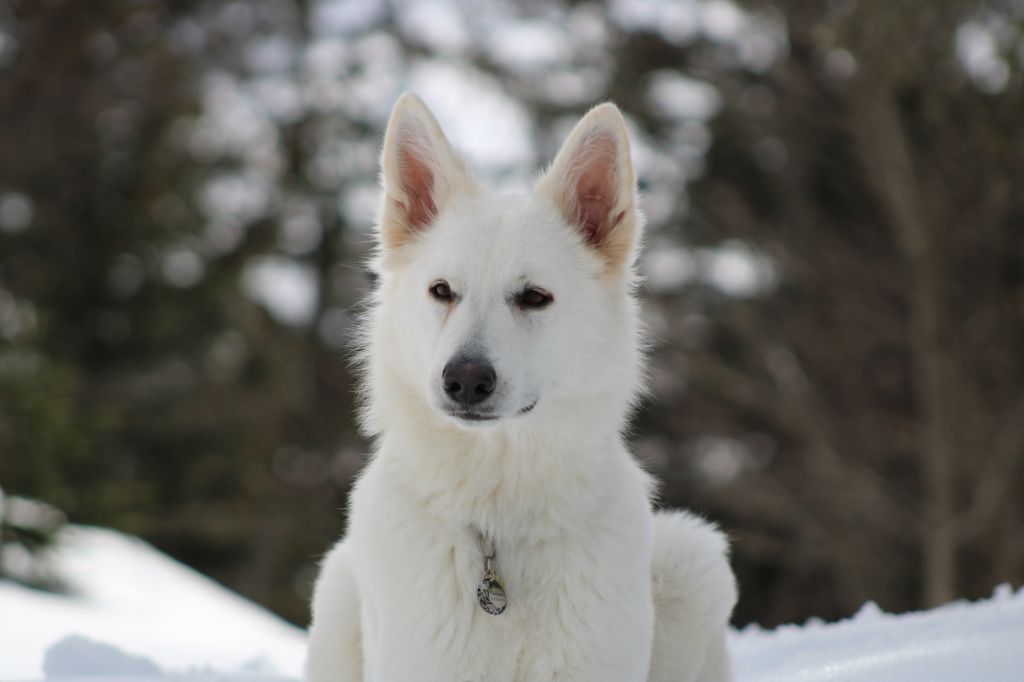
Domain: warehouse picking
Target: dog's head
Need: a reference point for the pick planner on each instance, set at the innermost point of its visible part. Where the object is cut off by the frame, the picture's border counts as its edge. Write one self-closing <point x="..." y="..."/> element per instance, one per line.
<point x="498" y="310"/>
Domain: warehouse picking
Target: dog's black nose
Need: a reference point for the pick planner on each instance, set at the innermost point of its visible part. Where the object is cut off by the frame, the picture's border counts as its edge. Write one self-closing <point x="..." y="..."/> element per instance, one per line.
<point x="468" y="381"/>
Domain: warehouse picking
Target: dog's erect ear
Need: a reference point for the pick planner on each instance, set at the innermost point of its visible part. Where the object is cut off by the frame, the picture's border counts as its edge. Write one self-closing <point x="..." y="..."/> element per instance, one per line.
<point x="592" y="182"/>
<point x="419" y="171"/>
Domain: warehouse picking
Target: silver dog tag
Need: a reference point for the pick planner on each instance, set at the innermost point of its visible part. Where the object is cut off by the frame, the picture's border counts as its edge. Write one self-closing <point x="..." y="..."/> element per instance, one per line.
<point x="490" y="593"/>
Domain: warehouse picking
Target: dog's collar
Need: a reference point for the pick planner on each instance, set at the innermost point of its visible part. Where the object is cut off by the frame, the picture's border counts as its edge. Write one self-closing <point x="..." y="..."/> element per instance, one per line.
<point x="490" y="593"/>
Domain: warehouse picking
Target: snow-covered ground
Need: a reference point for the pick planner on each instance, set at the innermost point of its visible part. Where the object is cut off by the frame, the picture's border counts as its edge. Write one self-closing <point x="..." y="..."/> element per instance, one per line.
<point x="959" y="642"/>
<point x="137" y="616"/>
<point x="128" y="595"/>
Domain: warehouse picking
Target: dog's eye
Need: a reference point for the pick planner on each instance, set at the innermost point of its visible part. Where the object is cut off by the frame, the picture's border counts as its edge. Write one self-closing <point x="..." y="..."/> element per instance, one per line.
<point x="534" y="298"/>
<point x="442" y="292"/>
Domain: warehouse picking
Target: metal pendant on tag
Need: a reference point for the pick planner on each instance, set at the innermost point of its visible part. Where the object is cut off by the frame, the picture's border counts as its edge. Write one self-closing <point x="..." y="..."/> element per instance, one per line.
<point x="491" y="593"/>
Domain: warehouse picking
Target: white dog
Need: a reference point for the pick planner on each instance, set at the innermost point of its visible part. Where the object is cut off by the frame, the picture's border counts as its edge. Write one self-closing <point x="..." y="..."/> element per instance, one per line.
<point x="502" y="532"/>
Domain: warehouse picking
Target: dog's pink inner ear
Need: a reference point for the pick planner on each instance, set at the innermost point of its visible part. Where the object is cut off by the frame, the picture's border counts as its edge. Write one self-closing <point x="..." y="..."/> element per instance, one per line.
<point x="416" y="178"/>
<point x="592" y="186"/>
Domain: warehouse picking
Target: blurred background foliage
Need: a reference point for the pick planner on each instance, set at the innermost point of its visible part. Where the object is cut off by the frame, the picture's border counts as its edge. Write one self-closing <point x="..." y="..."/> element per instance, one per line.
<point x="834" y="265"/>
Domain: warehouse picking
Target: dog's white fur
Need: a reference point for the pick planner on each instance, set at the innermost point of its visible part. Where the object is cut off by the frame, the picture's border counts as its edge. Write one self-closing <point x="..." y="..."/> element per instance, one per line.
<point x="599" y="587"/>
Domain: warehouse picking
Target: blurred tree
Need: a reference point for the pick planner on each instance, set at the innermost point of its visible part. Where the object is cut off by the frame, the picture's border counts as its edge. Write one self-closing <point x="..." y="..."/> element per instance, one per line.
<point x="903" y="183"/>
<point x="142" y="385"/>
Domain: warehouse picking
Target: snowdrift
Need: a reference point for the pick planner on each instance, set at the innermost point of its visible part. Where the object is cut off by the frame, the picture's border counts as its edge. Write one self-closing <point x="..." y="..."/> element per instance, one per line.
<point x="959" y="642"/>
<point x="127" y="594"/>
<point x="137" y="616"/>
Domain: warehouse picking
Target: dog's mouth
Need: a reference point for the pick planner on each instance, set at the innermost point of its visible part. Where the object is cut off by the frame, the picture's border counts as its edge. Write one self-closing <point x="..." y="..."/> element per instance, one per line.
<point x="471" y="416"/>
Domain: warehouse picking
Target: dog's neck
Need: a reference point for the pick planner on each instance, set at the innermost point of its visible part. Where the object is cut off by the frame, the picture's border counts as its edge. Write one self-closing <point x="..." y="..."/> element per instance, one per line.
<point x="506" y="481"/>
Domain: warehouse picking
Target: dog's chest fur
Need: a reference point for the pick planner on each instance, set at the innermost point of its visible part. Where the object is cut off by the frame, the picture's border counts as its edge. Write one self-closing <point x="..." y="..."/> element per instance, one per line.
<point x="420" y="561"/>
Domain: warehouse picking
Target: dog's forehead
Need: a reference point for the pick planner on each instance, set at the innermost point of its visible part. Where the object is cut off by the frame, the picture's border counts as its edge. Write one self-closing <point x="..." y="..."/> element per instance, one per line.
<point x="495" y="237"/>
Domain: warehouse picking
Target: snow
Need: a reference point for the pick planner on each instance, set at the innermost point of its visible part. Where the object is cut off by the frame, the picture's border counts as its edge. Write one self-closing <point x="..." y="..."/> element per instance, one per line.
<point x="981" y="54"/>
<point x="76" y="656"/>
<point x="126" y="594"/>
<point x="681" y="97"/>
<point x="15" y="212"/>
<point x="957" y="642"/>
<point x="138" y="616"/>
<point x="285" y="287"/>
<point x="732" y="268"/>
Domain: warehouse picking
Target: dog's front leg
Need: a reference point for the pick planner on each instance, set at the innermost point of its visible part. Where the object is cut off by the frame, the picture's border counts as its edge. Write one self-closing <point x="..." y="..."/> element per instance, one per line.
<point x="694" y="593"/>
<point x="335" y="638"/>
